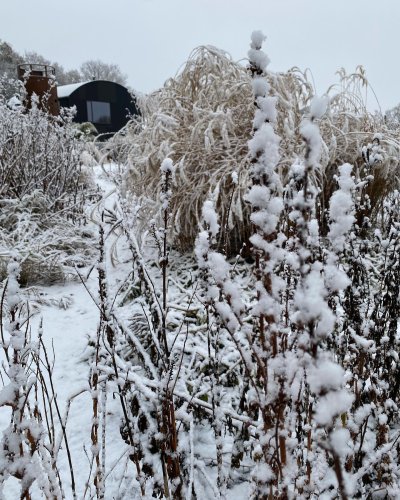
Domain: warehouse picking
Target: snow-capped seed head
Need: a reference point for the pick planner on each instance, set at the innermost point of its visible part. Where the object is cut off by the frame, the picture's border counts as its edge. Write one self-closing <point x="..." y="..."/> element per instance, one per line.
<point x="167" y="166"/>
<point x="266" y="111"/>
<point x="311" y="135"/>
<point x="13" y="271"/>
<point x="341" y="209"/>
<point x="210" y="217"/>
<point x="257" y="39"/>
<point x="318" y="106"/>
<point x="258" y="58"/>
<point x="260" y="87"/>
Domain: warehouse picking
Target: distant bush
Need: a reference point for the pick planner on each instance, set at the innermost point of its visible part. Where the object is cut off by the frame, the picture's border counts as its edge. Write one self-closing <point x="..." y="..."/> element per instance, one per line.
<point x="86" y="130"/>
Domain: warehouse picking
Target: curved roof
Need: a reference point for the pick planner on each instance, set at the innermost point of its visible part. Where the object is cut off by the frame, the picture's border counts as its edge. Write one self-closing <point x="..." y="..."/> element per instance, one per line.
<point x="66" y="90"/>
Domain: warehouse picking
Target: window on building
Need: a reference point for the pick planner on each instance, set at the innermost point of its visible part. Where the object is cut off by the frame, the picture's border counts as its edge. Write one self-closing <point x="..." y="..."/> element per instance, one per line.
<point x="99" y="112"/>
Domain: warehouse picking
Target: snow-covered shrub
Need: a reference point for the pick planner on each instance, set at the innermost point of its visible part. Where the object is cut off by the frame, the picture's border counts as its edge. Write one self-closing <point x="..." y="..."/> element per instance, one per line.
<point x="368" y="346"/>
<point x="86" y="131"/>
<point x="38" y="152"/>
<point x="11" y="89"/>
<point x="51" y="244"/>
<point x="280" y="350"/>
<point x="43" y="191"/>
<point x="202" y="118"/>
<point x="317" y="339"/>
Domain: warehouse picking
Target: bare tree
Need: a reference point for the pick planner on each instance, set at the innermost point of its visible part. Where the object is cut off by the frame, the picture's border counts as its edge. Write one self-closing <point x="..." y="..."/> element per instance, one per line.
<point x="71" y="76"/>
<point x="98" y="70"/>
<point x="9" y="59"/>
<point x="63" y="77"/>
<point x="89" y="70"/>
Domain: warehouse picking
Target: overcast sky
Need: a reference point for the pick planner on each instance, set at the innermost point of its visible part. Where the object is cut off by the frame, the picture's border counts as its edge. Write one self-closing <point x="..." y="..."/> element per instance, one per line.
<point x="150" y="39"/>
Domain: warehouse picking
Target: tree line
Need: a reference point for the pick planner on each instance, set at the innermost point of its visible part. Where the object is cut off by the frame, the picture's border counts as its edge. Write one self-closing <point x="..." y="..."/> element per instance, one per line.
<point x="93" y="69"/>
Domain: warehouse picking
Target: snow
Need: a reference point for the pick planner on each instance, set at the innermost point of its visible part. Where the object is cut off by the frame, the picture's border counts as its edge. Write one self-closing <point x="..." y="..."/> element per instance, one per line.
<point x="341" y="209"/>
<point x="13" y="271"/>
<point x="311" y="135"/>
<point x="326" y="376"/>
<point x="68" y="330"/>
<point x="258" y="196"/>
<point x="260" y="87"/>
<point x="335" y="278"/>
<point x="14" y="102"/>
<point x="265" y="139"/>
<point x="256" y="56"/>
<point x="266" y="219"/>
<point x="257" y="39"/>
<point x="210" y="217"/>
<point x="65" y="332"/>
<point x="312" y="308"/>
<point x="7" y="395"/>
<point x="167" y="166"/>
<point x="66" y="90"/>
<point x="331" y="406"/>
<point x="319" y="106"/>
<point x="266" y="111"/>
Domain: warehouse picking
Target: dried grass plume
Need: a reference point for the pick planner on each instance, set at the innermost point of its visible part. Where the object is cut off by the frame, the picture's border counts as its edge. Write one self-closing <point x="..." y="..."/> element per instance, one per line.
<point x="202" y="120"/>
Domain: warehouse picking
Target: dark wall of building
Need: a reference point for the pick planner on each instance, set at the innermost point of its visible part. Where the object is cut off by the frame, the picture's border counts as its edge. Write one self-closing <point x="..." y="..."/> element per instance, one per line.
<point x="106" y="104"/>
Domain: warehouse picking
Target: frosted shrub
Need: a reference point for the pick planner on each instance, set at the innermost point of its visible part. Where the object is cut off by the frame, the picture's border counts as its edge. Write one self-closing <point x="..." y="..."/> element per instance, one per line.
<point x="38" y="151"/>
<point x="28" y="446"/>
<point x="42" y="194"/>
<point x="318" y="378"/>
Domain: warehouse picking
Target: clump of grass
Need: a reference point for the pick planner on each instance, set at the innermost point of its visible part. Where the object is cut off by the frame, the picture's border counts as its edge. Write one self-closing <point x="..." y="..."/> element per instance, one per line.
<point x="50" y="243"/>
<point x="202" y="119"/>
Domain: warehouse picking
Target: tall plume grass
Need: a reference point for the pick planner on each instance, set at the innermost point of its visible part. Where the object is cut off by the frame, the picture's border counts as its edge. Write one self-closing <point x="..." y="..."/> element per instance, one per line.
<point x="202" y="119"/>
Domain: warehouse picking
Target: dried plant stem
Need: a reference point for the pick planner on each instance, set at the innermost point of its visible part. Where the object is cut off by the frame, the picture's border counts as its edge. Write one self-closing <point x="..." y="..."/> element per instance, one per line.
<point x="62" y="423"/>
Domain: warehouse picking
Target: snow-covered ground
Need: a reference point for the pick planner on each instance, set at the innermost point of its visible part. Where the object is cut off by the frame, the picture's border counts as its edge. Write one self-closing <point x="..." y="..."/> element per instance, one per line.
<point x="69" y="317"/>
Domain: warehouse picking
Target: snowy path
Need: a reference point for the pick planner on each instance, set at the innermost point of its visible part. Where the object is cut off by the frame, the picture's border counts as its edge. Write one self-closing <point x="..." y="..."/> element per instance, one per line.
<point x="69" y="330"/>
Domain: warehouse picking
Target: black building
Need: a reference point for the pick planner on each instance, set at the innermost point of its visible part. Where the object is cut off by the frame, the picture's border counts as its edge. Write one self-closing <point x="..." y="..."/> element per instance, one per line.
<point x="107" y="105"/>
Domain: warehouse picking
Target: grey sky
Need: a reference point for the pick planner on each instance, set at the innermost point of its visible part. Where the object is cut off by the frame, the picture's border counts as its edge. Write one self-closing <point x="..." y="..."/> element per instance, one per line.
<point x="150" y="39"/>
